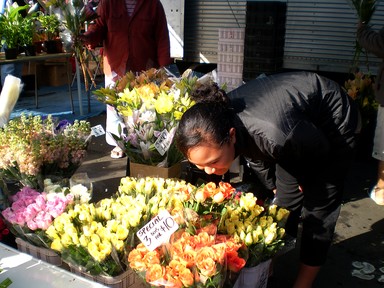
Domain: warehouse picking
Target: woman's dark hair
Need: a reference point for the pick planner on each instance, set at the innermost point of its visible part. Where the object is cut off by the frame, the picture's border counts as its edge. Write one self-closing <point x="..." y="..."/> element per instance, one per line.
<point x="208" y="121"/>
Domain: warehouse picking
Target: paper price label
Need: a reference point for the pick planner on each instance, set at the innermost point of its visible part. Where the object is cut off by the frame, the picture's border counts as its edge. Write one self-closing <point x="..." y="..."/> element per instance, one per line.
<point x="158" y="230"/>
<point x="164" y="141"/>
<point x="97" y="130"/>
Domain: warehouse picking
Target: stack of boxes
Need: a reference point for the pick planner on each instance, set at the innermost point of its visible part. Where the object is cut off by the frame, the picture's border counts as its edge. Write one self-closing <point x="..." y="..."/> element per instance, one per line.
<point x="230" y="57"/>
<point x="264" y="38"/>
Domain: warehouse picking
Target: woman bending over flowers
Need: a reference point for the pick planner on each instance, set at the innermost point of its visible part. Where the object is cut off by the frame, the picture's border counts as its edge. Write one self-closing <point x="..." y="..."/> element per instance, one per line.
<point x="294" y="130"/>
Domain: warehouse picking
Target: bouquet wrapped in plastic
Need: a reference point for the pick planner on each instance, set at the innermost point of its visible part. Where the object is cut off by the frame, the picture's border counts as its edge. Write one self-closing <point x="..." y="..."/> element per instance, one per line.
<point x="33" y="148"/>
<point x="151" y="105"/>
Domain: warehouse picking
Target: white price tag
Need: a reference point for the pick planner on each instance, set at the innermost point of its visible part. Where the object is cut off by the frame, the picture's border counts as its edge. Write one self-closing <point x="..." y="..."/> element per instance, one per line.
<point x="158" y="230"/>
<point x="164" y="141"/>
<point x="97" y="130"/>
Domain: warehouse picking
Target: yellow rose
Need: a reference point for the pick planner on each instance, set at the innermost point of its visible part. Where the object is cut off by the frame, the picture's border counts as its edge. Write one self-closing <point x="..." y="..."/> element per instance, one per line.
<point x="104" y="233"/>
<point x="282" y="214"/>
<point x="105" y="249"/>
<point x="93" y="250"/>
<point x="257" y="234"/>
<point x="51" y="232"/>
<point x="56" y="245"/>
<point x="95" y="239"/>
<point x="66" y="240"/>
<point x="248" y="239"/>
<point x="122" y="232"/>
<point x="84" y="240"/>
<point x="280" y="233"/>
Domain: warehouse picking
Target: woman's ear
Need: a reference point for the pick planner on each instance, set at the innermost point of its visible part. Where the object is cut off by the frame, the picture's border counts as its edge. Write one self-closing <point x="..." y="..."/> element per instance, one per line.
<point x="232" y="135"/>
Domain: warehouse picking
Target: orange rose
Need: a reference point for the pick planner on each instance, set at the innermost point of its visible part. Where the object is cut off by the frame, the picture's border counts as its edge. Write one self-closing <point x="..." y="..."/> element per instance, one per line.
<point x="227" y="189"/>
<point x="188" y="257"/>
<point x="135" y="260"/>
<point x="154" y="272"/>
<point x="171" y="280"/>
<point x="137" y="265"/>
<point x="200" y="195"/>
<point x="219" y="252"/>
<point x="234" y="262"/>
<point x="210" y="189"/>
<point x="151" y="258"/>
<point x="205" y="261"/>
<point x="186" y="277"/>
<point x="204" y="239"/>
<point x="218" y="197"/>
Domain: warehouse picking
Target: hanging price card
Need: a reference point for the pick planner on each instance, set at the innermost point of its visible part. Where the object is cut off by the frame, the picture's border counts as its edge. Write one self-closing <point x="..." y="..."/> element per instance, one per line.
<point x="158" y="230"/>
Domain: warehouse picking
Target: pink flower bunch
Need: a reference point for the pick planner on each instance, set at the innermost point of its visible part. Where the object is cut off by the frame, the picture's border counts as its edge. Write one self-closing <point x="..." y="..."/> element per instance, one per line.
<point x="33" y="147"/>
<point x="35" y="210"/>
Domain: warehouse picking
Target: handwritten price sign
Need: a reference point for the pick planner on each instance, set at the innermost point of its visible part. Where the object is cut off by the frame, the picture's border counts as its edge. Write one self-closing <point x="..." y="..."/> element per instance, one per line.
<point x="158" y="230"/>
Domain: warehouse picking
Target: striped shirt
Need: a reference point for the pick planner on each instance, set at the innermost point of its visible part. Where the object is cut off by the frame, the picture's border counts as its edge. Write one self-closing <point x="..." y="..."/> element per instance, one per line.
<point x="130" y="4"/>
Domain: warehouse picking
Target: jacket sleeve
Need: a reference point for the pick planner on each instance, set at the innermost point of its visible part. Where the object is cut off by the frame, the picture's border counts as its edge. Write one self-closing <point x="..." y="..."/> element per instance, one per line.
<point x="265" y="172"/>
<point x="97" y="31"/>
<point x="162" y="38"/>
<point x="371" y="40"/>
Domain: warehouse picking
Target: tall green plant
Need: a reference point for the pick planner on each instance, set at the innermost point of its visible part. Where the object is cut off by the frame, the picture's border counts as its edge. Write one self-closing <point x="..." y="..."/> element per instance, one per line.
<point x="50" y="24"/>
<point x="28" y="30"/>
<point x="75" y="17"/>
<point x="10" y="24"/>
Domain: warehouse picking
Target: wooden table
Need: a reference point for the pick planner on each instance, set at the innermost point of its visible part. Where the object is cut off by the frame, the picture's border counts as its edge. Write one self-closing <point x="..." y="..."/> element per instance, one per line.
<point x="41" y="58"/>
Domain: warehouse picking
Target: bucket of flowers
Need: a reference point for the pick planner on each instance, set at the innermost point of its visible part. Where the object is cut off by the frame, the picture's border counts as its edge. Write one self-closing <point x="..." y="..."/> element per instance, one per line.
<point x="151" y="105"/>
<point x="33" y="148"/>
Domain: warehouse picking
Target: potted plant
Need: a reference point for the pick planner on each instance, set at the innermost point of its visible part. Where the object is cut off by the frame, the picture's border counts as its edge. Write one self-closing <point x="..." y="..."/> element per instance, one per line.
<point x="27" y="34"/>
<point x="50" y="25"/>
<point x="10" y="23"/>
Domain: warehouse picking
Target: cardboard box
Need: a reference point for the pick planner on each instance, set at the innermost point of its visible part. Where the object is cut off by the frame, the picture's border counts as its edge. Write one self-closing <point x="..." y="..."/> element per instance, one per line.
<point x="141" y="170"/>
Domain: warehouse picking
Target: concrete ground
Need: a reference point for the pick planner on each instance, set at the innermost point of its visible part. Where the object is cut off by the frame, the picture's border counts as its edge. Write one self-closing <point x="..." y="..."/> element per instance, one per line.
<point x="359" y="233"/>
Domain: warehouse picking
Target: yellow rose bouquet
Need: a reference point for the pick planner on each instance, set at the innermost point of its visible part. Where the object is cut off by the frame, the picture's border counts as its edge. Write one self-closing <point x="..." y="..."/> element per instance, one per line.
<point x="260" y="228"/>
<point x="151" y="105"/>
<point x="97" y="238"/>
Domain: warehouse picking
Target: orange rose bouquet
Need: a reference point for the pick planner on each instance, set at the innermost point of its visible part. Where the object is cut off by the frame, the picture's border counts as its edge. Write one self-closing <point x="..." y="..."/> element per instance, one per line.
<point x="199" y="260"/>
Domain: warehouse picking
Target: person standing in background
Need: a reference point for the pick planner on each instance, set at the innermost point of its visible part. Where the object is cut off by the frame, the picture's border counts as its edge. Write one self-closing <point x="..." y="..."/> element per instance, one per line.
<point x="373" y="42"/>
<point x="135" y="37"/>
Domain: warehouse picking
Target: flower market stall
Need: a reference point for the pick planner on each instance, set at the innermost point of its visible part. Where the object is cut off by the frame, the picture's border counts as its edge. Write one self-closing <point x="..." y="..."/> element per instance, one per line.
<point x="153" y="231"/>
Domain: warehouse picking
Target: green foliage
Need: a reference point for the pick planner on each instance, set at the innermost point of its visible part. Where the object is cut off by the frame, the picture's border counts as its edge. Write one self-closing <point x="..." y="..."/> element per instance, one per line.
<point x="50" y="24"/>
<point x="10" y="23"/>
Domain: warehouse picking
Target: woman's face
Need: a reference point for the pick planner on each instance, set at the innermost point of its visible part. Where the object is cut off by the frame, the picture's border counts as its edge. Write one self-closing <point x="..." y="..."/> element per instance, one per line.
<point x="214" y="159"/>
